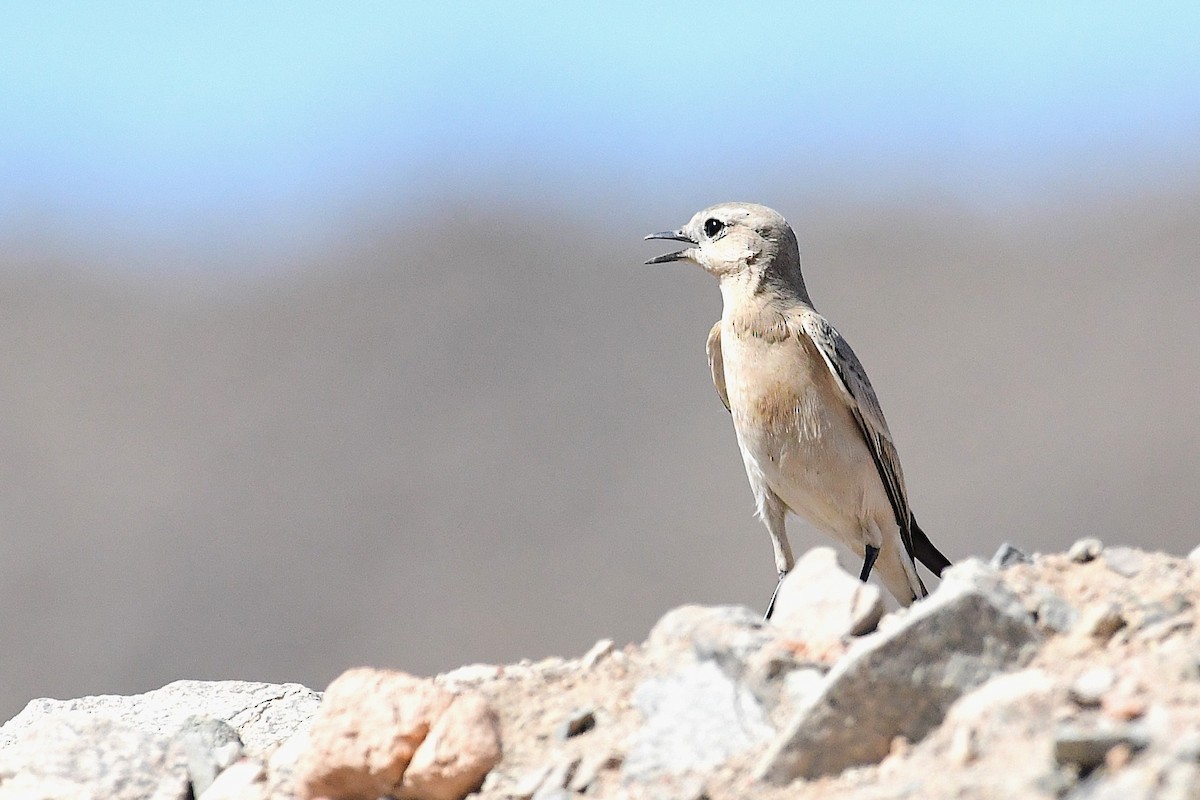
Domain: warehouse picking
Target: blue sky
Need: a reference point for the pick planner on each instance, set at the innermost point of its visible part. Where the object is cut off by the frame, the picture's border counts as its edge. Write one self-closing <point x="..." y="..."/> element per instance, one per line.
<point x="155" y="115"/>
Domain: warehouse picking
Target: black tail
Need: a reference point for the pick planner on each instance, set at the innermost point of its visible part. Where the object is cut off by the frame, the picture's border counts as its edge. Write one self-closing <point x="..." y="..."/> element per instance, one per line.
<point x="925" y="552"/>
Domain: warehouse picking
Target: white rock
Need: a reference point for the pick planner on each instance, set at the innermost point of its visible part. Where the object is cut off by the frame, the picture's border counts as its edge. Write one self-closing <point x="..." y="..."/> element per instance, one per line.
<point x="470" y="674"/>
<point x="263" y="714"/>
<point x="1009" y="689"/>
<point x="802" y="685"/>
<point x="1090" y="687"/>
<point x="244" y="780"/>
<point x="821" y="602"/>
<point x="696" y="719"/>
<point x="598" y="651"/>
<point x="531" y="781"/>
<point x="1085" y="550"/>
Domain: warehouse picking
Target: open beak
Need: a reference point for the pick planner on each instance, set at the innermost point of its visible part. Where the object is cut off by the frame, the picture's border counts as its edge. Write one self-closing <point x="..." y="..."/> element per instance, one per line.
<point x="675" y="236"/>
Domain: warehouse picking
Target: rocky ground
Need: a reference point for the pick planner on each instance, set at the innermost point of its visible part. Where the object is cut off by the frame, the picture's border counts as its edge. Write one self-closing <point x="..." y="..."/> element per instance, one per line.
<point x="1073" y="675"/>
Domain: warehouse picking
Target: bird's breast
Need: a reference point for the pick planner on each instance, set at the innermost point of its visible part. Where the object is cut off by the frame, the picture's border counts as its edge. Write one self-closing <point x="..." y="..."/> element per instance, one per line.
<point x="772" y="385"/>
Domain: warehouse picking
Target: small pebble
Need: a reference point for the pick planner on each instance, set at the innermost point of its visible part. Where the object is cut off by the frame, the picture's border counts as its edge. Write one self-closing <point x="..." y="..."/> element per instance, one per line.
<point x="1055" y="613"/>
<point x="579" y="721"/>
<point x="1101" y="622"/>
<point x="1159" y="619"/>
<point x="963" y="748"/>
<point x="599" y="650"/>
<point x="1118" y="757"/>
<point x="1089" y="688"/>
<point x="1088" y="747"/>
<point x="1123" y="707"/>
<point x="1125" y="561"/>
<point x="589" y="769"/>
<point x="1187" y="748"/>
<point x="557" y="779"/>
<point x="531" y="781"/>
<point x="471" y="673"/>
<point x="1085" y="550"/>
<point x="1009" y="554"/>
<point x="551" y="666"/>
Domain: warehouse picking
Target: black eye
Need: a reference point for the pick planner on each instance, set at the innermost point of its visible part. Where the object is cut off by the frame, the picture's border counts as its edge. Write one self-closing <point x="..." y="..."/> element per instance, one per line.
<point x="713" y="226"/>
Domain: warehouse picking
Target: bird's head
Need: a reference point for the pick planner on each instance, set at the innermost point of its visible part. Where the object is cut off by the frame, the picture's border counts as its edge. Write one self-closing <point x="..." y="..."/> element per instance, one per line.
<point x="736" y="239"/>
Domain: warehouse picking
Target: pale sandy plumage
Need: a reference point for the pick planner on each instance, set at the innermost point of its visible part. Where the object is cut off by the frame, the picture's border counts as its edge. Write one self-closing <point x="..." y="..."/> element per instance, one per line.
<point x="813" y="437"/>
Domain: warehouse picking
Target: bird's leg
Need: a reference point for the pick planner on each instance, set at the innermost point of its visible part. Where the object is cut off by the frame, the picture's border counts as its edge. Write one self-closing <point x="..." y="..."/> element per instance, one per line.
<point x="773" y="512"/>
<point x="868" y="562"/>
<point x="774" y="594"/>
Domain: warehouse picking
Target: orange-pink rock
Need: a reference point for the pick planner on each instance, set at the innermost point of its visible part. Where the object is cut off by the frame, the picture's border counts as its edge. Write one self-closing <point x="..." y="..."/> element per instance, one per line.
<point x="374" y="727"/>
<point x="460" y="750"/>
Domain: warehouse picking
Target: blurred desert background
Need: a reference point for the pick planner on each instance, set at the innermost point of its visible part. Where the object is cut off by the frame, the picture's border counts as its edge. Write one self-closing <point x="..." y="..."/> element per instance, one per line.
<point x="326" y="338"/>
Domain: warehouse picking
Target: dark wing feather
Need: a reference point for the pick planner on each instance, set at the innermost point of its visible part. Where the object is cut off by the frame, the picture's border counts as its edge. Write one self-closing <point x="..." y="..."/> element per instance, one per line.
<point x="860" y="397"/>
<point x="926" y="553"/>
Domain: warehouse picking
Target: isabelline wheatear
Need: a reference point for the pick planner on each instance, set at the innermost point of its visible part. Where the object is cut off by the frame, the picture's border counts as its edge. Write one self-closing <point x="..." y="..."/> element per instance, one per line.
<point x="812" y="434"/>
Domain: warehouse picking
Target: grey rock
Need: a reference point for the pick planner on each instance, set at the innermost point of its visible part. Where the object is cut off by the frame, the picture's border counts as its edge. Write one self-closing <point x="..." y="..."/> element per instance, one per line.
<point x="263" y="714"/>
<point x="79" y="756"/>
<point x="1055" y="613"/>
<point x="901" y="682"/>
<point x="1086" y="746"/>
<point x="821" y="602"/>
<point x="577" y="722"/>
<point x="210" y="746"/>
<point x="1089" y="688"/>
<point x="696" y="719"/>
<point x="1125" y="561"/>
<point x="1156" y="613"/>
<point x="1009" y="554"/>
<point x="1085" y="550"/>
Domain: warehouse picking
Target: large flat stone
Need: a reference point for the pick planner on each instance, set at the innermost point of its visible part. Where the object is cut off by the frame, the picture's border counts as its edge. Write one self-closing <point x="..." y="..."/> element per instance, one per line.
<point x="902" y="680"/>
<point x="263" y="714"/>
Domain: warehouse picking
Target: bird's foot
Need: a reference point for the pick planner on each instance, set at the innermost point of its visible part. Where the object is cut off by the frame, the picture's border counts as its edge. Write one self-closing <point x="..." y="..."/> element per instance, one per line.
<point x="774" y="594"/>
<point x="868" y="563"/>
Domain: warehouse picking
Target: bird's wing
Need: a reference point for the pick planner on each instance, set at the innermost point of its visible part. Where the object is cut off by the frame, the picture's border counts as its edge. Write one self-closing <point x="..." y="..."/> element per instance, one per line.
<point x="852" y="379"/>
<point x="716" y="362"/>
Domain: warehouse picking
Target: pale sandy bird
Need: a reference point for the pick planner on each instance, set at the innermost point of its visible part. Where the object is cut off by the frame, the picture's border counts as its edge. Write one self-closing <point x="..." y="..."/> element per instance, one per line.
<point x="812" y="434"/>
